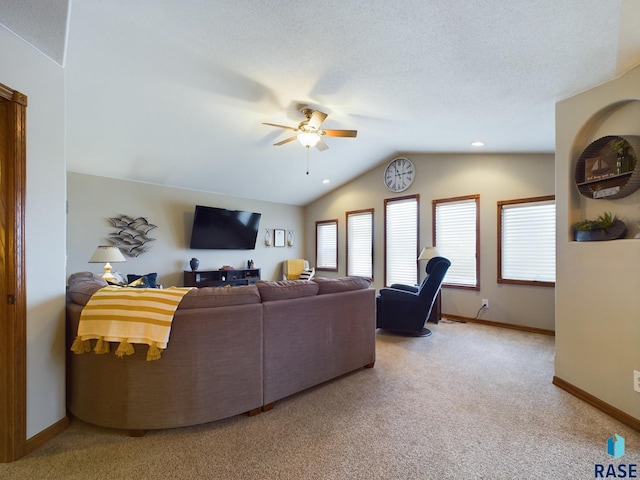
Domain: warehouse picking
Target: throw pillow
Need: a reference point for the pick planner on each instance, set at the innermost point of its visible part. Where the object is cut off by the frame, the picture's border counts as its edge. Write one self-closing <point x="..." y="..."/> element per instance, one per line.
<point x="118" y="279"/>
<point x="82" y="285"/>
<point x="140" y="282"/>
<point x="308" y="274"/>
<point x="148" y="282"/>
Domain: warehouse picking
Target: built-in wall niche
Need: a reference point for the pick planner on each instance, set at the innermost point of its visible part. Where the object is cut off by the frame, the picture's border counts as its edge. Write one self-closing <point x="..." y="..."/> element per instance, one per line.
<point x="608" y="168"/>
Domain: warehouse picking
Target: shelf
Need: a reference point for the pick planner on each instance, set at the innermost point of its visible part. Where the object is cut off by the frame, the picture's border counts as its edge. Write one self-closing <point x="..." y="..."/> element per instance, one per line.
<point x="221" y="278"/>
<point x="597" y="174"/>
<point x="600" y="180"/>
<point x="617" y="243"/>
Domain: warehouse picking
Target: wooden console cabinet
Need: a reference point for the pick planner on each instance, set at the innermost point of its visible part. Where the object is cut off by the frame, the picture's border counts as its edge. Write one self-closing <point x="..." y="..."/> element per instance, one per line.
<point x="221" y="278"/>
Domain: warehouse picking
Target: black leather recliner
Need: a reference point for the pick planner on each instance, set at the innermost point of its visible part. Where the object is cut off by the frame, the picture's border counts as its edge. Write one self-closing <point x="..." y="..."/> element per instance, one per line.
<point x="404" y="309"/>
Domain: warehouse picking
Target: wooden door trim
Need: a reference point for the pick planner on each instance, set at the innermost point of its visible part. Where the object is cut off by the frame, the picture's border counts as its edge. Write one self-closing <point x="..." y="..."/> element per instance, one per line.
<point x="13" y="341"/>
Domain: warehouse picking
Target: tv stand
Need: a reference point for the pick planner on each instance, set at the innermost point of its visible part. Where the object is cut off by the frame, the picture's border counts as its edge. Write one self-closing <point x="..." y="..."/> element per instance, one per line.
<point x="221" y="278"/>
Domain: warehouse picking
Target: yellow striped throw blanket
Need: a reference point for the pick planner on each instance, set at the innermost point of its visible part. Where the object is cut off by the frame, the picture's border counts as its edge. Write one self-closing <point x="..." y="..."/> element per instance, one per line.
<point x="128" y="315"/>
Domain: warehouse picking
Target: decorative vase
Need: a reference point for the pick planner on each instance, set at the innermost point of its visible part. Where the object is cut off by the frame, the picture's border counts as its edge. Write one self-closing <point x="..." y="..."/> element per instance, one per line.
<point x="620" y="164"/>
<point x="617" y="230"/>
<point x="194" y="263"/>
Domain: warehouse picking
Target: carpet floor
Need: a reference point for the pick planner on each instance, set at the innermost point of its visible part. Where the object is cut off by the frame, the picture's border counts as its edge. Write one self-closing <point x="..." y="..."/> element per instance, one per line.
<point x="468" y="402"/>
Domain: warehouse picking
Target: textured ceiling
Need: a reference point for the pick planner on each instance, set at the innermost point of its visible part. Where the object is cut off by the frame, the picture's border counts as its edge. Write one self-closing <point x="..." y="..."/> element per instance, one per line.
<point x="175" y="93"/>
<point x="42" y="24"/>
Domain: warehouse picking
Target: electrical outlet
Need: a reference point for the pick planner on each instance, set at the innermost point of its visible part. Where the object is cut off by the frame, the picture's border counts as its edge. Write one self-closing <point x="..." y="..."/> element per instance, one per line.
<point x="636" y="381"/>
<point x="485" y="303"/>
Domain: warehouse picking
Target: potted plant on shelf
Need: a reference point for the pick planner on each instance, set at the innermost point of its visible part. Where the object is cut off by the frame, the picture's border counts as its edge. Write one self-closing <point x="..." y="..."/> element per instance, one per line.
<point x="606" y="227"/>
<point x="621" y="148"/>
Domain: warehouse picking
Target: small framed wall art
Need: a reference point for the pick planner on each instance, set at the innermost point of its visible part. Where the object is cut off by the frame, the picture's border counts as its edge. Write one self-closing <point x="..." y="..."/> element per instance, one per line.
<point x="278" y="238"/>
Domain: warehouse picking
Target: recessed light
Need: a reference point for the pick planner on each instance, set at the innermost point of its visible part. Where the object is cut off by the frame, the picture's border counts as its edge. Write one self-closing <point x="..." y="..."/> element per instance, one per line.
<point x="326" y="180"/>
<point x="477" y="144"/>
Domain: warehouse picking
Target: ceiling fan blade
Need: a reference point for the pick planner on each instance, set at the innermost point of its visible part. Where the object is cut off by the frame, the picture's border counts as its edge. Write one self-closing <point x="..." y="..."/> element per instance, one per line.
<point x="340" y="133"/>
<point x="316" y="119"/>
<point x="287" y="140"/>
<point x="281" y="126"/>
<point x="321" y="145"/>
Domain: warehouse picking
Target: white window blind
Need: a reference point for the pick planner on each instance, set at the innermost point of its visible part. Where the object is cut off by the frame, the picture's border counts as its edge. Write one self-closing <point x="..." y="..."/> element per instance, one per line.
<point x="401" y="241"/>
<point x="360" y="243"/>
<point x="528" y="240"/>
<point x="456" y="226"/>
<point x="327" y="245"/>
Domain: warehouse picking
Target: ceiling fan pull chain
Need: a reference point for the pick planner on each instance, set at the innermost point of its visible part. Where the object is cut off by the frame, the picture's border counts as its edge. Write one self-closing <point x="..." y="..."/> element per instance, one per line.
<point x="307" y="160"/>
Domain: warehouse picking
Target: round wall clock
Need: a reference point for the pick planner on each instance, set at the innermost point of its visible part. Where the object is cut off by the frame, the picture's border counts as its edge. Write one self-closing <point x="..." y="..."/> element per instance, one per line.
<point x="399" y="174"/>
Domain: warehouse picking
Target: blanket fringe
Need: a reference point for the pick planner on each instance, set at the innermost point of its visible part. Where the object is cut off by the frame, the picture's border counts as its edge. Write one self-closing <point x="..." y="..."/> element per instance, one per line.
<point x="101" y="346"/>
<point x="79" y="346"/>
<point x="154" y="353"/>
<point x="125" y="348"/>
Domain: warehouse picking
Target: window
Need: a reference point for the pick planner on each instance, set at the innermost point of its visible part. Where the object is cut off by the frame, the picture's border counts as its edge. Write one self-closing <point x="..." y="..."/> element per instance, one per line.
<point x="327" y="245"/>
<point x="360" y="243"/>
<point x="401" y="239"/>
<point x="455" y="235"/>
<point x="527" y="241"/>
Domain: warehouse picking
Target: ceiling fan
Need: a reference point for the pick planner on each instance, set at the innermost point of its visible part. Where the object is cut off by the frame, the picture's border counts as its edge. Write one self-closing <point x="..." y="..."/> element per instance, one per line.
<point x="308" y="131"/>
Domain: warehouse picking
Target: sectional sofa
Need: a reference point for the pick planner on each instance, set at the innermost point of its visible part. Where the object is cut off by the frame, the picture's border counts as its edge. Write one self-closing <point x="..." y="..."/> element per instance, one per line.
<point x="231" y="351"/>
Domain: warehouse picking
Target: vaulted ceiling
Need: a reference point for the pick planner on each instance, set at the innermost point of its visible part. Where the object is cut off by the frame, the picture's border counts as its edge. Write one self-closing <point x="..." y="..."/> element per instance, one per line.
<point x="175" y="93"/>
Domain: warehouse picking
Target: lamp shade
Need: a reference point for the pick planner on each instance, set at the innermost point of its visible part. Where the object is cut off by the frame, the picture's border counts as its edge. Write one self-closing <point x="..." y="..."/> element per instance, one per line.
<point x="107" y="254"/>
<point x="427" y="253"/>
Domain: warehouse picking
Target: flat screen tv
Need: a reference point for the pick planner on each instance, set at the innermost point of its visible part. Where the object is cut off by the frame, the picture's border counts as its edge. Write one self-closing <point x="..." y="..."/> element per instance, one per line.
<point x="219" y="228"/>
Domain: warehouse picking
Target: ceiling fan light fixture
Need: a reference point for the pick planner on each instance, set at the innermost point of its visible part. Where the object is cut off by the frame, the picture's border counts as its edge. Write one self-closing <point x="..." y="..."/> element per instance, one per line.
<point x="308" y="139"/>
<point x="308" y="131"/>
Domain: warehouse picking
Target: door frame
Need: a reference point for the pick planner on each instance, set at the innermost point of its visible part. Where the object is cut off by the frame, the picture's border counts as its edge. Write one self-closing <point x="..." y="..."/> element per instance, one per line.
<point x="13" y="304"/>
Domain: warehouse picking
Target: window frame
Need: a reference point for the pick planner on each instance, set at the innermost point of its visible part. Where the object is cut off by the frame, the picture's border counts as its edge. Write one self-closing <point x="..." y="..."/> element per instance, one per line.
<point x="476" y="199"/>
<point x="319" y="223"/>
<point x="347" y="216"/>
<point x="397" y="199"/>
<point x="500" y="205"/>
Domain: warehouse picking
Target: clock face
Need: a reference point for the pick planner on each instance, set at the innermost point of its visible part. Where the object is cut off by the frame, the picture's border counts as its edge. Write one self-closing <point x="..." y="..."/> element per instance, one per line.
<point x="399" y="174"/>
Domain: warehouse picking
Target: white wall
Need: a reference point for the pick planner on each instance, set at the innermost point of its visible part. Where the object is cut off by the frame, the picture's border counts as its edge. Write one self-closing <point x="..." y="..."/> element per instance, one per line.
<point x="93" y="200"/>
<point x="495" y="177"/>
<point x="28" y="71"/>
<point x="597" y="303"/>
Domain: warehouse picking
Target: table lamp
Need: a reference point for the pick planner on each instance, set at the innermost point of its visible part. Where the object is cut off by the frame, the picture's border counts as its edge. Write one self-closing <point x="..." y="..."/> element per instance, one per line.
<point x="427" y="253"/>
<point x="107" y="254"/>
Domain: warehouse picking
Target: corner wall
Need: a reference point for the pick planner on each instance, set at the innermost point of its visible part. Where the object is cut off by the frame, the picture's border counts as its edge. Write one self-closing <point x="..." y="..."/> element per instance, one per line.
<point x="42" y="81"/>
<point x="597" y="301"/>
<point x="495" y="177"/>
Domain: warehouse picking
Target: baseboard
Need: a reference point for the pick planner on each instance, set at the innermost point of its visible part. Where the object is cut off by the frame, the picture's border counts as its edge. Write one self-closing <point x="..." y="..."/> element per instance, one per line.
<point x="599" y="404"/>
<point x="543" y="331"/>
<point x="47" y="434"/>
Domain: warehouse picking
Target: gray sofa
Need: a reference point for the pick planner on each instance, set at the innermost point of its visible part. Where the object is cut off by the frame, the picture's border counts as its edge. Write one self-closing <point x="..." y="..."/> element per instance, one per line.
<point x="231" y="351"/>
